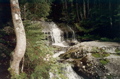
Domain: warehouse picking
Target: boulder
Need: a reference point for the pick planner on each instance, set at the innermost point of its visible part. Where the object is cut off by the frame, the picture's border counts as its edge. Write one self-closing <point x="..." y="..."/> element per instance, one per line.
<point x="94" y="59"/>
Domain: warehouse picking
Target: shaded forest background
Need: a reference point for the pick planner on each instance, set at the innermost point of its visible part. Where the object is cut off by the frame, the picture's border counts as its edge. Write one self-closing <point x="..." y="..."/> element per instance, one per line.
<point x="88" y="17"/>
<point x="91" y="19"/>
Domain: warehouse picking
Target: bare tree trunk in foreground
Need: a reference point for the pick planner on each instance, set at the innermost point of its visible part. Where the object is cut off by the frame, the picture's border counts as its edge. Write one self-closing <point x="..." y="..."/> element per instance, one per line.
<point x="20" y="48"/>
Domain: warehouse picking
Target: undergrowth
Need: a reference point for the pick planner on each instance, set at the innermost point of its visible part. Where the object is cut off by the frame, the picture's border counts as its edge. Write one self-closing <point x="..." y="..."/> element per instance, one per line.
<point x="38" y="60"/>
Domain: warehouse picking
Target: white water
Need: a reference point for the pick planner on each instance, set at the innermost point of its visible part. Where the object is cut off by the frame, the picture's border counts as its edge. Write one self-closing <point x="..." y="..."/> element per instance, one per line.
<point x="57" y="54"/>
<point x="73" y="35"/>
<point x="56" y="34"/>
<point x="71" y="74"/>
<point x="56" y="37"/>
<point x="67" y="70"/>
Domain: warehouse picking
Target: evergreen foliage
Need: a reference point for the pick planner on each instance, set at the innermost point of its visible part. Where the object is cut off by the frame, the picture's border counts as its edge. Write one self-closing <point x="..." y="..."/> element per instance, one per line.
<point x="96" y="17"/>
<point x="93" y="19"/>
<point x="36" y="65"/>
<point x="38" y="10"/>
<point x="34" y="9"/>
<point x="38" y="61"/>
<point x="7" y="42"/>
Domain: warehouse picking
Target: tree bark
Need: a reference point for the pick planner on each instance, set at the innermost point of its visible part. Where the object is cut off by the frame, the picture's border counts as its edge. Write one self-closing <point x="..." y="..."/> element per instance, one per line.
<point x="88" y="8"/>
<point x="20" y="48"/>
<point x="110" y="15"/>
<point x="84" y="8"/>
<point x="77" y="12"/>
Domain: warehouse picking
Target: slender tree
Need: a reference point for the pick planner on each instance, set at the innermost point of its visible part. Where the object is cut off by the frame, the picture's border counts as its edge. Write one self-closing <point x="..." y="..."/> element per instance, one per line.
<point x="77" y="12"/>
<point x="20" y="48"/>
<point x="84" y="8"/>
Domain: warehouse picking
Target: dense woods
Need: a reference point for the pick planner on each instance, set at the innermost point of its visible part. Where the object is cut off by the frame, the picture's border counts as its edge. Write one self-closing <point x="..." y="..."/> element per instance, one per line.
<point x="91" y="20"/>
<point x="94" y="17"/>
<point x="99" y="17"/>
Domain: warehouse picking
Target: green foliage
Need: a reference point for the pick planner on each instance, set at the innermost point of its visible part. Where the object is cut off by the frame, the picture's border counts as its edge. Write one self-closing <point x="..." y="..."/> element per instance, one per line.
<point x="97" y="20"/>
<point x="38" y="10"/>
<point x="98" y="55"/>
<point x="36" y="65"/>
<point x="117" y="51"/>
<point x="105" y="39"/>
<point x="104" y="61"/>
<point x="22" y="1"/>
<point x="85" y="27"/>
<point x="34" y="9"/>
<point x="88" y="37"/>
<point x="38" y="57"/>
<point x="6" y="44"/>
<point x="117" y="39"/>
<point x="96" y="50"/>
<point x="58" y="70"/>
<point x="21" y="76"/>
<point x="110" y="76"/>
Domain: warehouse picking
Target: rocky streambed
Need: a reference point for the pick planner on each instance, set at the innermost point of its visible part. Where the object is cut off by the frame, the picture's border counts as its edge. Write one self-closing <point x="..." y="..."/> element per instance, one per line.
<point x="94" y="59"/>
<point x="91" y="60"/>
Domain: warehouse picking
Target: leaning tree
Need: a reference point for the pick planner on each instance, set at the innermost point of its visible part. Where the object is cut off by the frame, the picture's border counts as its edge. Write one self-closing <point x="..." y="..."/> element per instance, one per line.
<point x="20" y="48"/>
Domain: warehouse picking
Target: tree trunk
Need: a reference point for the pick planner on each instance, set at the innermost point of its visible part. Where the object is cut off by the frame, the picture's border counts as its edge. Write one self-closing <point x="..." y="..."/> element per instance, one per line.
<point x="88" y="8"/>
<point x="84" y="8"/>
<point x="20" y="48"/>
<point x="66" y="5"/>
<point x="77" y="12"/>
<point x="24" y="11"/>
<point x="110" y="16"/>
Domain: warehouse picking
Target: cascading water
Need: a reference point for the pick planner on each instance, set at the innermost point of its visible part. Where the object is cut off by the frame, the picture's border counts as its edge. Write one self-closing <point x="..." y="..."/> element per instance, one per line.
<point x="56" y="37"/>
<point x="67" y="69"/>
<point x="53" y="34"/>
<point x="74" y="40"/>
<point x="110" y="69"/>
<point x="71" y="74"/>
<point x="73" y="35"/>
<point x="56" y="34"/>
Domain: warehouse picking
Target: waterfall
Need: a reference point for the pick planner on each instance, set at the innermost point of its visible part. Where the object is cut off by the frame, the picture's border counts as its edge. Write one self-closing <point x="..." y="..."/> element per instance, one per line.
<point x="56" y="34"/>
<point x="56" y="37"/>
<point x="71" y="74"/>
<point x="67" y="70"/>
<point x="73" y="35"/>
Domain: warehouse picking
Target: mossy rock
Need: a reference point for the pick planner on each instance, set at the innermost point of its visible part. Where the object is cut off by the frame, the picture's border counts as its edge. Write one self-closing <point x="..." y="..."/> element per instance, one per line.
<point x="117" y="50"/>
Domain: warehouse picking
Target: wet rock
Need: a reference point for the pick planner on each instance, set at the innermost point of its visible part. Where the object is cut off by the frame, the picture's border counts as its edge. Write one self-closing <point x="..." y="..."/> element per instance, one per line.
<point x="96" y="60"/>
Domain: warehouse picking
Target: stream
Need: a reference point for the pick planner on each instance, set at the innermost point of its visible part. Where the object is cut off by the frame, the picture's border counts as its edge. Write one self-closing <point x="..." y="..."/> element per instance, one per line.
<point x="58" y="40"/>
<point x="86" y="65"/>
